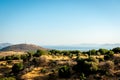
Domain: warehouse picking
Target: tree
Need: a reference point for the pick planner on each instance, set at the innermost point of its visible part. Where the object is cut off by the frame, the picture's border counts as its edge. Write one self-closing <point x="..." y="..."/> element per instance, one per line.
<point x="64" y="72"/>
<point x="17" y="68"/>
<point x="39" y="53"/>
<point x="103" y="51"/>
<point x="86" y="66"/>
<point x="109" y="55"/>
<point x="116" y="50"/>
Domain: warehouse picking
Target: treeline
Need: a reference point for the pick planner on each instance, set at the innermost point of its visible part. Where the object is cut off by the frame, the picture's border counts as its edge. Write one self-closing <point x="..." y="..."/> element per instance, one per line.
<point x="101" y="51"/>
<point x="70" y="53"/>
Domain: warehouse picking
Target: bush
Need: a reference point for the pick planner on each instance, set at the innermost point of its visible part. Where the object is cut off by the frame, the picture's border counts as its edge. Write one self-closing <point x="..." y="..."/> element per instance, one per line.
<point x="16" y="57"/>
<point x="64" y="72"/>
<point x="116" y="59"/>
<point x="101" y="59"/>
<point x="39" y="53"/>
<point x="92" y="52"/>
<point x="8" y="78"/>
<point x="116" y="50"/>
<point x="86" y="66"/>
<point x="52" y="63"/>
<point x="52" y="76"/>
<point x="9" y="61"/>
<point x="109" y="55"/>
<point x="82" y="76"/>
<point x="43" y="70"/>
<point x="92" y="59"/>
<point x="17" y="68"/>
<point x="54" y="52"/>
<point x="8" y="58"/>
<point x="102" y="51"/>
<point x="65" y="53"/>
<point x="2" y="58"/>
<point x="40" y="61"/>
<point x="24" y="57"/>
<point x="106" y="67"/>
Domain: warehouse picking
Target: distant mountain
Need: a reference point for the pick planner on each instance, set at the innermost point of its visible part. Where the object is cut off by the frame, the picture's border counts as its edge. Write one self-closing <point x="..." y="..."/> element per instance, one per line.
<point x="114" y="45"/>
<point x="2" y="45"/>
<point x="96" y="45"/>
<point x="22" y="47"/>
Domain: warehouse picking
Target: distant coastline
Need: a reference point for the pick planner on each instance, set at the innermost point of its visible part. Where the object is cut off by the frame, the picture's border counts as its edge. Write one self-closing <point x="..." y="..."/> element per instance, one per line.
<point x="82" y="47"/>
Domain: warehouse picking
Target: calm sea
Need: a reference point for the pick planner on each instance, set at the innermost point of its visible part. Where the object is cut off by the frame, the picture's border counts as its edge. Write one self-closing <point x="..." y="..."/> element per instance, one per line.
<point x="78" y="48"/>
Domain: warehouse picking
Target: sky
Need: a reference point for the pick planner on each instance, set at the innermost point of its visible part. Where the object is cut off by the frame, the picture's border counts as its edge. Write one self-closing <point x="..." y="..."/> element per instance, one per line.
<point x="60" y="22"/>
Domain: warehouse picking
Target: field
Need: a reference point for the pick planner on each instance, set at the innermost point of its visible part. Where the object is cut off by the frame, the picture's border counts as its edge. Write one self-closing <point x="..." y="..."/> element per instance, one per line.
<point x="50" y="65"/>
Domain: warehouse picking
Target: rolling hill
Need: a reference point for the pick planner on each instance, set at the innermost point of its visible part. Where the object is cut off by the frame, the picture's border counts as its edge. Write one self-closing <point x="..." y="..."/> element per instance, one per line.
<point x="22" y="47"/>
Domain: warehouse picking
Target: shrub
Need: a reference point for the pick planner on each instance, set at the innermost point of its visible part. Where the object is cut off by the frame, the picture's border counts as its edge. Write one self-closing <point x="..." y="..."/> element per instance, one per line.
<point x="52" y="76"/>
<point x="106" y="67"/>
<point x="103" y="51"/>
<point x="82" y="76"/>
<point x="116" y="59"/>
<point x="2" y="58"/>
<point x="64" y="72"/>
<point x="86" y="66"/>
<point x="40" y="61"/>
<point x="24" y="57"/>
<point x="116" y="50"/>
<point x="16" y="57"/>
<point x="101" y="59"/>
<point x="43" y="60"/>
<point x="66" y="53"/>
<point x="54" y="52"/>
<point x="9" y="61"/>
<point x="17" y="68"/>
<point x="92" y="59"/>
<point x="8" y="78"/>
<point x="39" y="53"/>
<point x="8" y="58"/>
<point x="109" y="55"/>
<point x="52" y="63"/>
<point x="109" y="65"/>
<point x="92" y="52"/>
<point x="43" y="70"/>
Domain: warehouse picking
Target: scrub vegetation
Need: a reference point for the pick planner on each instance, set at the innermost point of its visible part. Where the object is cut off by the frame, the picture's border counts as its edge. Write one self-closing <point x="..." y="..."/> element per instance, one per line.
<point x="94" y="64"/>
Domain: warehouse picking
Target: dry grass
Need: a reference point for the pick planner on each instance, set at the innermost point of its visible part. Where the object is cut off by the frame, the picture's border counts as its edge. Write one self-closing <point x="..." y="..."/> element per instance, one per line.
<point x="6" y="68"/>
<point x="35" y="74"/>
<point x="9" y="53"/>
<point x="50" y="57"/>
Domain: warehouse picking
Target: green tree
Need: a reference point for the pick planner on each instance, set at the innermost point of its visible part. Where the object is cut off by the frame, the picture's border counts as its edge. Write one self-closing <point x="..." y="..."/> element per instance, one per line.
<point x="103" y="51"/>
<point x="93" y="52"/>
<point x="64" y="72"/>
<point x="86" y="66"/>
<point x="116" y="50"/>
<point x="17" y="68"/>
<point x="39" y="53"/>
<point x="109" y="55"/>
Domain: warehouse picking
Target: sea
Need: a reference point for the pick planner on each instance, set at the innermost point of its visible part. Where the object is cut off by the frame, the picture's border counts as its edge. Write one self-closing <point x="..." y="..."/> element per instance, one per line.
<point x="84" y="48"/>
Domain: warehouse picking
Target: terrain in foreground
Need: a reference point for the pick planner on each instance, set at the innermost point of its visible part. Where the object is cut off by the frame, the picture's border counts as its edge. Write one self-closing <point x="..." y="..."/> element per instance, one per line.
<point x="99" y="64"/>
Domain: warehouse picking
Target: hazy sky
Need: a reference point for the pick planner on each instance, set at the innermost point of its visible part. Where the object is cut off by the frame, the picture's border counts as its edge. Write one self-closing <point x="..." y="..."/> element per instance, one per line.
<point x="60" y="22"/>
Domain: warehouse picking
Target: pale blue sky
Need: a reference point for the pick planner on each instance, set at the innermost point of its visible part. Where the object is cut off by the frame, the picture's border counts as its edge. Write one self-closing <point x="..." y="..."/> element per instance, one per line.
<point x="60" y="22"/>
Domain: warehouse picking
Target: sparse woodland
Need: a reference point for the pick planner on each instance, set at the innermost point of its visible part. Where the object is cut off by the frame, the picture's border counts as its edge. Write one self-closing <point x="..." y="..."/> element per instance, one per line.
<point x="99" y="64"/>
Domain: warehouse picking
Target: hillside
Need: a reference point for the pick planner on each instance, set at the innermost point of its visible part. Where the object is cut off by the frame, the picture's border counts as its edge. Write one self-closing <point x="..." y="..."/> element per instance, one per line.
<point x="22" y="47"/>
<point x="2" y="45"/>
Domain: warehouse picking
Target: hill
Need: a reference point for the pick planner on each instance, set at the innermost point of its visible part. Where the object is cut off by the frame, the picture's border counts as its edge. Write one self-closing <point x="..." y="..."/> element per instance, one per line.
<point x="22" y="47"/>
<point x="2" y="45"/>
